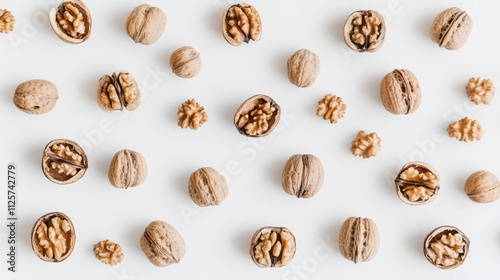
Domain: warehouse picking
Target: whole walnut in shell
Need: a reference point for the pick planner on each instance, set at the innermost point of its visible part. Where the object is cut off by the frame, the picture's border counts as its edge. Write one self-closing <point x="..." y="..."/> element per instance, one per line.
<point x="303" y="68"/>
<point x="185" y="62"/>
<point x="162" y="244"/>
<point x="35" y="96"/>
<point x="302" y="176"/>
<point x="127" y="169"/>
<point x="482" y="186"/>
<point x="359" y="239"/>
<point x="146" y="24"/>
<point x="451" y="28"/>
<point x="207" y="187"/>
<point x="400" y="92"/>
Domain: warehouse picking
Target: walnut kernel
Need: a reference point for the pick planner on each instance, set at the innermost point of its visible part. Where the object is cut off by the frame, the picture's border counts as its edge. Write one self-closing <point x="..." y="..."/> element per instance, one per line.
<point x="446" y="247"/>
<point x="331" y="108"/>
<point x="257" y="116"/>
<point x="191" y="115"/>
<point x="108" y="252"/>
<point x="366" y="145"/>
<point x="241" y="23"/>
<point x="53" y="237"/>
<point x="364" y="31"/>
<point x="480" y="90"/>
<point x="272" y="247"/>
<point x="6" y="21"/>
<point x="465" y="130"/>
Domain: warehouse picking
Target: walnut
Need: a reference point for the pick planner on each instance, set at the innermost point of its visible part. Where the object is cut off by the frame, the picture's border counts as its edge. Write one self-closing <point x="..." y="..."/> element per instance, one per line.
<point x="36" y="96"/>
<point x="127" y="169"/>
<point x="465" y="130"/>
<point x="303" y="68"/>
<point x="71" y="21"/>
<point x="241" y="23"/>
<point x="480" y="90"/>
<point x="162" y="244"/>
<point x="53" y="237"/>
<point x="185" y="62"/>
<point x="272" y="247"/>
<point x="366" y="145"/>
<point x="451" y="28"/>
<point x="146" y="24"/>
<point x="417" y="183"/>
<point x="359" y="239"/>
<point x="64" y="161"/>
<point x="331" y="108"/>
<point x="207" y="187"/>
<point x="364" y="31"/>
<point x="191" y="115"/>
<point x="6" y="21"/>
<point x="117" y="92"/>
<point x="482" y="186"/>
<point x="446" y="247"/>
<point x="108" y="252"/>
<point x="257" y="116"/>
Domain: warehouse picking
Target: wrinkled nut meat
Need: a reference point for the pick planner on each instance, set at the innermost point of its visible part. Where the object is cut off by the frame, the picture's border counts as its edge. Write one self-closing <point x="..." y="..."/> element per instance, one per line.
<point x="302" y="176"/>
<point x="451" y="28"/>
<point x="241" y="23"/>
<point x="272" y="247"/>
<point x="117" y="92"/>
<point x="257" y="116"/>
<point x="162" y="244"/>
<point x="53" y="237"/>
<point x="146" y="24"/>
<point x="191" y="115"/>
<point x="446" y="247"/>
<point x="108" y="252"/>
<point x="64" y="161"/>
<point x="465" y="130"/>
<point x="207" y="187"/>
<point x="185" y="62"/>
<point x="35" y="96"/>
<point x="480" y="90"/>
<point x="127" y="169"/>
<point x="331" y="108"/>
<point x="417" y="183"/>
<point x="400" y="92"/>
<point x="366" y="145"/>
<point x="303" y="68"/>
<point x="482" y="186"/>
<point x="71" y="21"/>
<point x="6" y="21"/>
<point x="359" y="239"/>
<point x="364" y="31"/>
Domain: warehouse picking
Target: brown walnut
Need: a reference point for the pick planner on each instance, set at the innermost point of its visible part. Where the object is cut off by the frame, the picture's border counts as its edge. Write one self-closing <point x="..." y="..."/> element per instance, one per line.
<point x="257" y="116"/>
<point x="400" y="92"/>
<point x="127" y="169"/>
<point x="272" y="247"/>
<point x="108" y="252"/>
<point x="446" y="247"/>
<point x="465" y="130"/>
<point x="53" y="237"/>
<point x="162" y="244"/>
<point x="64" y="161"/>
<point x="6" y="21"/>
<point x="480" y="90"/>
<point x="71" y="21"/>
<point x="417" y="183"/>
<point x="482" y="186"/>
<point x="117" y="92"/>
<point x="185" y="62"/>
<point x="366" y="145"/>
<point x="451" y="28"/>
<point x="359" y="239"/>
<point x="207" y="187"/>
<point x="364" y="31"/>
<point x="302" y="176"/>
<point x="146" y="24"/>
<point x="191" y="115"/>
<point x="241" y="23"/>
<point x="303" y="68"/>
<point x="331" y="108"/>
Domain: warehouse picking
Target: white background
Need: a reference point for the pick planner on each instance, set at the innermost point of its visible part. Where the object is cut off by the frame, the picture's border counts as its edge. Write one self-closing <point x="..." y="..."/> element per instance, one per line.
<point x="217" y="238"/>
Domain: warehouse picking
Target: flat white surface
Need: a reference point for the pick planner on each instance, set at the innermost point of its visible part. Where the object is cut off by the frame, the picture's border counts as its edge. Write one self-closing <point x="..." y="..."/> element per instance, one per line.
<point x="217" y="238"/>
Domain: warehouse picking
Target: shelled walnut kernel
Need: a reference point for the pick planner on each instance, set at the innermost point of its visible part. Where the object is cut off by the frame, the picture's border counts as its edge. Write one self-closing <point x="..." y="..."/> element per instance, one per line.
<point x="465" y="130"/>
<point x="6" y="21"/>
<point x="366" y="145"/>
<point x="191" y="115"/>
<point x="480" y="90"/>
<point x="108" y="252"/>
<point x="331" y="108"/>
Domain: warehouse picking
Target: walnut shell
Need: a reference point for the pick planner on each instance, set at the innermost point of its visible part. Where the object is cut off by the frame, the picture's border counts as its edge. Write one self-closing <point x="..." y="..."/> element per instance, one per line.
<point x="118" y="91"/>
<point x="241" y="23"/>
<point x="417" y="183"/>
<point x="162" y="244"/>
<point x="272" y="247"/>
<point x="257" y="116"/>
<point x="364" y="31"/>
<point x="127" y="169"/>
<point x="400" y="92"/>
<point x="71" y="21"/>
<point x="207" y="187"/>
<point x="64" y="161"/>
<point x="35" y="96"/>
<point x="359" y="239"/>
<point x="482" y="186"/>
<point x="451" y="28"/>
<point x="302" y="176"/>
<point x="53" y="237"/>
<point x="185" y="62"/>
<point x="146" y="24"/>
<point x="446" y="247"/>
<point x="303" y="68"/>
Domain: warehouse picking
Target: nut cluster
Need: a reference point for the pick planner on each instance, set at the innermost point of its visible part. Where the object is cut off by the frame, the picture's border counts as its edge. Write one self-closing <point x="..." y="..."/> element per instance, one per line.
<point x="6" y="21"/>
<point x="117" y="92"/>
<point x="241" y="23"/>
<point x="417" y="183"/>
<point x="191" y="115"/>
<point x="446" y="247"/>
<point x="257" y="116"/>
<point x="53" y="237"/>
<point x="71" y="21"/>
<point x="366" y="145"/>
<point x="303" y="68"/>
<point x="480" y="90"/>
<point x="465" y="130"/>
<point x="108" y="252"/>
<point x="331" y="108"/>
<point x="272" y="247"/>
<point x="364" y="31"/>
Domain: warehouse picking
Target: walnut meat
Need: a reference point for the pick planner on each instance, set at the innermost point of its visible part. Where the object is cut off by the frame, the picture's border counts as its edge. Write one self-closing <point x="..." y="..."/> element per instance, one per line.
<point x="480" y="90"/>
<point x="417" y="183"/>
<point x="162" y="244"/>
<point x="185" y="62"/>
<point x="257" y="116"/>
<point x="366" y="145"/>
<point x="359" y="239"/>
<point x="364" y="31"/>
<point x="207" y="187"/>
<point x="331" y="108"/>
<point x="400" y="92"/>
<point x="71" y="21"/>
<point x="117" y="92"/>
<point x="241" y="23"/>
<point x="64" y="161"/>
<point x="446" y="247"/>
<point x="191" y="115"/>
<point x="272" y="247"/>
<point x="127" y="169"/>
<point x="482" y="186"/>
<point x="108" y="252"/>
<point x="53" y="237"/>
<point x="6" y="21"/>
<point x="35" y="96"/>
<point x="465" y="130"/>
<point x="302" y="176"/>
<point x="451" y="28"/>
<point x="303" y="68"/>
<point x="146" y="24"/>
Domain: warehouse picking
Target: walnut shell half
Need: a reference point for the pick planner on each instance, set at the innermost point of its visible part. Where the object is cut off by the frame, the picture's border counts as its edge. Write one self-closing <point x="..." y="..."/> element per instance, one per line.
<point x="64" y="161"/>
<point x="364" y="31"/>
<point x="53" y="237"/>
<point x="446" y="247"/>
<point x="71" y="21"/>
<point x="257" y="116"/>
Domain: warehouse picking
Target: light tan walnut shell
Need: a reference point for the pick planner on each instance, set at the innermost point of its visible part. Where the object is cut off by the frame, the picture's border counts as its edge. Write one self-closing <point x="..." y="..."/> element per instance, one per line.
<point x="364" y="31"/>
<point x="451" y="28"/>
<point x="53" y="237"/>
<point x="257" y="116"/>
<point x="240" y="24"/>
<point x="127" y="169"/>
<point x="465" y="130"/>
<point x="272" y="247"/>
<point x="400" y="92"/>
<point x="366" y="145"/>
<point x="482" y="186"/>
<point x="185" y="62"/>
<point x="331" y="108"/>
<point x="417" y="183"/>
<point x="303" y="68"/>
<point x="207" y="187"/>
<point x="359" y="239"/>
<point x="446" y="247"/>
<point x="191" y="115"/>
<point x="71" y="21"/>
<point x="302" y="176"/>
<point x="117" y="92"/>
<point x="64" y="161"/>
<point x="480" y="90"/>
<point x="108" y="252"/>
<point x="146" y="24"/>
<point x="7" y="21"/>
<point x="162" y="244"/>
<point x="35" y="96"/>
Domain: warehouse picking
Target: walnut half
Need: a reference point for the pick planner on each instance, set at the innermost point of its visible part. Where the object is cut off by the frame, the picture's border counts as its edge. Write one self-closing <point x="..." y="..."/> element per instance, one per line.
<point x="257" y="116"/>
<point x="446" y="247"/>
<point x="417" y="183"/>
<point x="465" y="130"/>
<point x="6" y="21"/>
<point x="272" y="247"/>
<point x="117" y="92"/>
<point x="331" y="108"/>
<point x="241" y="23"/>
<point x="366" y="145"/>
<point x="191" y="115"/>
<point x="108" y="252"/>
<point x="71" y="21"/>
<point x="364" y="31"/>
<point x="480" y="90"/>
<point x="53" y="237"/>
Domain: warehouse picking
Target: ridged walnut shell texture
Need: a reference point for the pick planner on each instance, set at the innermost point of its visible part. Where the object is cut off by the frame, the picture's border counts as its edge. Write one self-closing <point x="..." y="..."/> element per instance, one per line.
<point x="35" y="96"/>
<point x="451" y="28"/>
<point x="53" y="237"/>
<point x="207" y="187"/>
<point x="127" y="169"/>
<point x="359" y="239"/>
<point x="185" y="62"/>
<point x="400" y="92"/>
<point x="482" y="186"/>
<point x="302" y="176"/>
<point x="146" y="24"/>
<point x="162" y="244"/>
<point x="303" y="68"/>
<point x="71" y="21"/>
